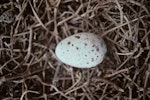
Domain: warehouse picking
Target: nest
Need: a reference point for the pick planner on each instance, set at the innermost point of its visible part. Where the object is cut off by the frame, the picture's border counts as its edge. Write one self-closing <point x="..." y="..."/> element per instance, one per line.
<point x="31" y="29"/>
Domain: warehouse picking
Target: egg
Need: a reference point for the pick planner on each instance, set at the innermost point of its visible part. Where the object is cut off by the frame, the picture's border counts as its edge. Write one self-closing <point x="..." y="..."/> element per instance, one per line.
<point x="81" y="50"/>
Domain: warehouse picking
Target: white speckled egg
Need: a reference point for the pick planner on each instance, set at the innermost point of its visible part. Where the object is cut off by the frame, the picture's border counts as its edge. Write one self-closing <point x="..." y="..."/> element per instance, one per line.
<point x="82" y="50"/>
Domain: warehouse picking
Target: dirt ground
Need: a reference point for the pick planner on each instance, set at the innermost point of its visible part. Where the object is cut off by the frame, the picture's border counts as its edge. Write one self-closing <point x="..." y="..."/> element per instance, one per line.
<point x="31" y="29"/>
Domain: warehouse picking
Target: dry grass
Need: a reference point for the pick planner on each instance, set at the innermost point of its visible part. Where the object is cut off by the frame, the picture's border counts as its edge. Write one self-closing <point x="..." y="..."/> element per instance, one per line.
<point x="28" y="65"/>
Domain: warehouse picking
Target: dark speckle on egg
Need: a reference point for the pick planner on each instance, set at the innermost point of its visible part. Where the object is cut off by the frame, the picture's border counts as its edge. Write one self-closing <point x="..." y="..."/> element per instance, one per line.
<point x="77" y="48"/>
<point x="102" y="44"/>
<point x="92" y="59"/>
<point x="85" y="44"/>
<point x="97" y="49"/>
<point x="78" y="37"/>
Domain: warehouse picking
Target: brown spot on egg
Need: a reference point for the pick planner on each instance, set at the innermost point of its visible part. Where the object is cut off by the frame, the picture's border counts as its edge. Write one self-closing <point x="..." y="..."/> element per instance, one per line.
<point x="93" y="45"/>
<point x="78" y="37"/>
<point x="69" y="42"/>
<point x="86" y="55"/>
<point x="87" y="63"/>
<point x="92" y="50"/>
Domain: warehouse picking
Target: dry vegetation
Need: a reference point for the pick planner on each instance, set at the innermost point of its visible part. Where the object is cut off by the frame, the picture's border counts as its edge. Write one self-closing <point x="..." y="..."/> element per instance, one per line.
<point x="31" y="29"/>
